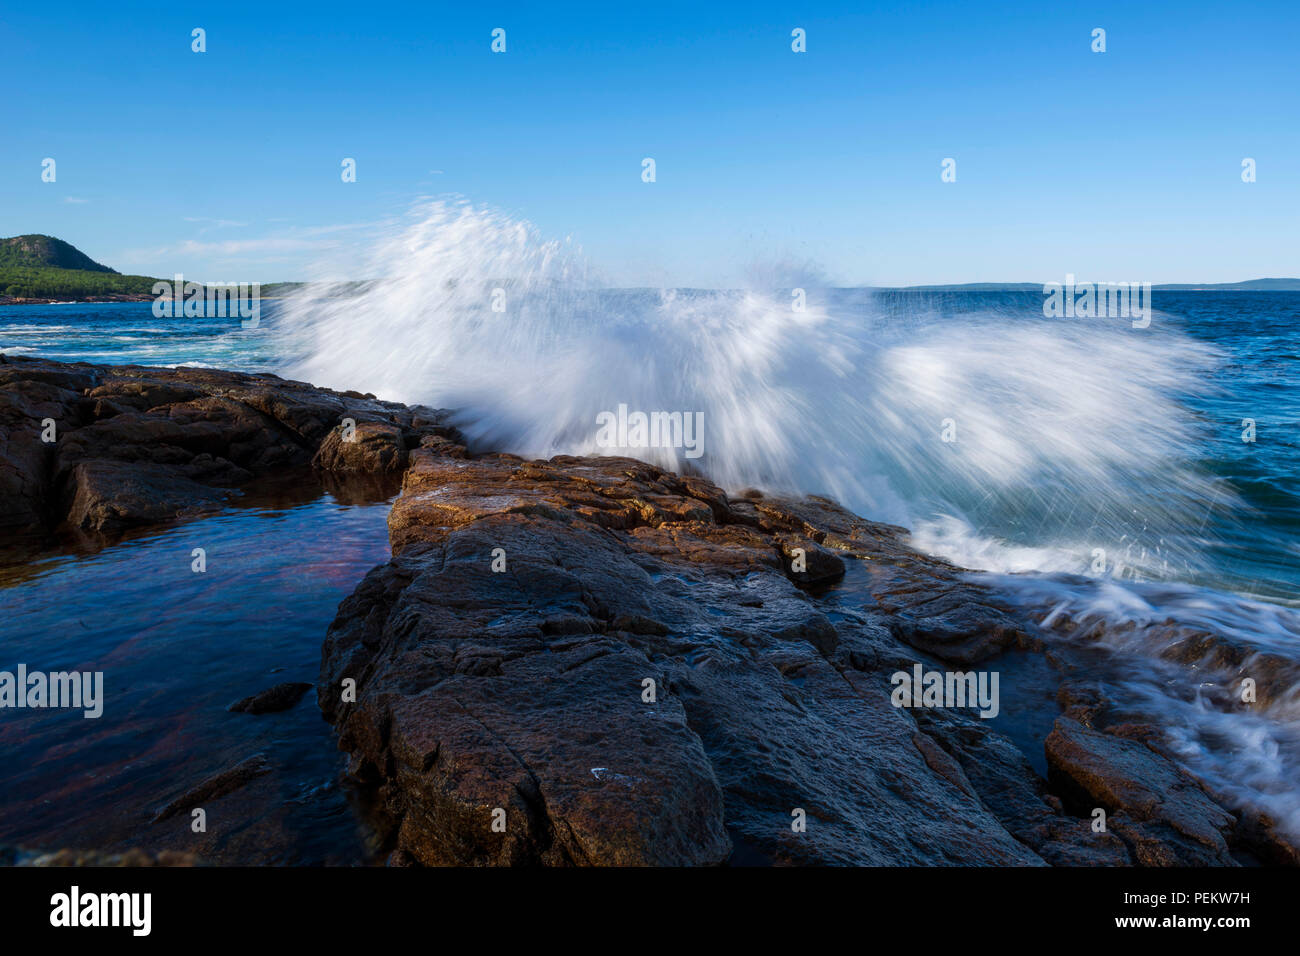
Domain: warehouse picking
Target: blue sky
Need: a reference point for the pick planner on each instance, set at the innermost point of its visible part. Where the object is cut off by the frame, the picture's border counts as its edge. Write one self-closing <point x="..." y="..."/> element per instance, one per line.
<point x="1123" y="165"/>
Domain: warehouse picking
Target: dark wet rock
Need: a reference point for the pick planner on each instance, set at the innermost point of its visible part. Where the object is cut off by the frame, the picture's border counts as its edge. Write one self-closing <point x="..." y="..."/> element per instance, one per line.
<point x="1082" y="701"/>
<point x="520" y="688"/>
<point x="1263" y="837"/>
<point x="137" y="446"/>
<point x="807" y="563"/>
<point x="273" y="699"/>
<point x="525" y="693"/>
<point x="111" y="495"/>
<point x="957" y="624"/>
<point x="367" y="447"/>
<point x="1000" y="774"/>
<point x="933" y="606"/>
<point x="218" y="785"/>
<point x="1160" y="811"/>
<point x="500" y="661"/>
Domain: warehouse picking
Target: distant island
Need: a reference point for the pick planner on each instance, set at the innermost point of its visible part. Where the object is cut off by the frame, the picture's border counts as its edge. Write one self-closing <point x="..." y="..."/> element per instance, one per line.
<point x="37" y="269"/>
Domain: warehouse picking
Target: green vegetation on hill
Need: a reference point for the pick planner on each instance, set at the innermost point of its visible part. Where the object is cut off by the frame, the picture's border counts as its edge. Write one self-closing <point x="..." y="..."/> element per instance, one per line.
<point x="69" y="283"/>
<point x="43" y="267"/>
<point x="45" y="252"/>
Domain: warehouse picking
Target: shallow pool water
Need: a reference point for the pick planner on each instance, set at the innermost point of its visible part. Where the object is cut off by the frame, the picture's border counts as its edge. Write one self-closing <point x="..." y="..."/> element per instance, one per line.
<point x="176" y="646"/>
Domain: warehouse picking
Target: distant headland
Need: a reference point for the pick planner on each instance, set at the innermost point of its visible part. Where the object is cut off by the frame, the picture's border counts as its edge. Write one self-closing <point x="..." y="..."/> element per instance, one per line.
<point x="38" y="269"/>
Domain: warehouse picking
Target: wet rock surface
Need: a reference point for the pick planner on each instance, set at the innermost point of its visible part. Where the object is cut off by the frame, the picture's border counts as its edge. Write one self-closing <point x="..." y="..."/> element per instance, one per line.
<point x="644" y="660"/>
<point x="1159" y="811"/>
<point x="501" y="663"/>
<point x="218" y="785"/>
<point x="130" y="446"/>
<point x="597" y="662"/>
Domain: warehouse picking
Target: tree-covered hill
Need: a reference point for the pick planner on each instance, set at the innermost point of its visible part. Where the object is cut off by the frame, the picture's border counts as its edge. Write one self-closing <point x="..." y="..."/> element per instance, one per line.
<point x="43" y="267"/>
<point x="45" y="252"/>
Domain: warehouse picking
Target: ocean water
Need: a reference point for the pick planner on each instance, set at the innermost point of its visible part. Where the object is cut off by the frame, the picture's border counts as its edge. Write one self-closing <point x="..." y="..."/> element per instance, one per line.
<point x="176" y="648"/>
<point x="1098" y="470"/>
<point x="127" y="333"/>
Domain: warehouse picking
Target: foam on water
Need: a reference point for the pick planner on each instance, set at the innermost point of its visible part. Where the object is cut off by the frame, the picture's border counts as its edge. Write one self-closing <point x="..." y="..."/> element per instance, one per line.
<point x="1250" y="755"/>
<point x="1065" y="431"/>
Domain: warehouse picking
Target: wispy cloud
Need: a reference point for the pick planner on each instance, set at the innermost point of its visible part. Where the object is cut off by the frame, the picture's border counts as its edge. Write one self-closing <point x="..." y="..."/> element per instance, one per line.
<point x="287" y="251"/>
<point x="340" y="227"/>
<point x="216" y="223"/>
<point x="75" y="200"/>
<point x="245" y="247"/>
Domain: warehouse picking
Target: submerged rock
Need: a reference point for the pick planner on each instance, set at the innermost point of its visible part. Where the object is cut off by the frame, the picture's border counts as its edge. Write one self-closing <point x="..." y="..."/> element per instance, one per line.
<point x="273" y="699"/>
<point x="218" y="785"/>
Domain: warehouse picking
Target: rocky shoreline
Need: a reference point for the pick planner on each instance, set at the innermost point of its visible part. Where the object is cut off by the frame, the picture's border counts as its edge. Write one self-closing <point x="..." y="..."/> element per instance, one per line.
<point x="598" y="662"/>
<point x="82" y="300"/>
